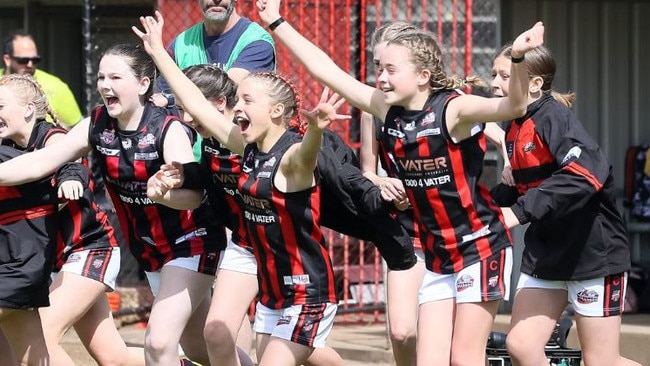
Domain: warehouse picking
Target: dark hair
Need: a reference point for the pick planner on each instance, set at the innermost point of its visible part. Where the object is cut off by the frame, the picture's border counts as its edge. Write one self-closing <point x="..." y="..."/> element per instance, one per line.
<point x="8" y="41"/>
<point x="540" y="62"/>
<point x="213" y="83"/>
<point x="141" y="63"/>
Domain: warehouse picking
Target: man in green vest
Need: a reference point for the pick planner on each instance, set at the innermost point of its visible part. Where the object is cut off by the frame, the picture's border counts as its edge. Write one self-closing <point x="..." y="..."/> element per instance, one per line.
<point x="20" y="56"/>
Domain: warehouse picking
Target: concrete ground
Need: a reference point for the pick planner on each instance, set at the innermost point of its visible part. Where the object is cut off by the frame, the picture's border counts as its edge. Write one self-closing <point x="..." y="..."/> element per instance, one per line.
<point x="366" y="344"/>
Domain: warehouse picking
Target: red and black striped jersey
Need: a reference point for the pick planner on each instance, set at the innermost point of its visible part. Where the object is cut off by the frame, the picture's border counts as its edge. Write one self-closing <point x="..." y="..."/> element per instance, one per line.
<point x="82" y="224"/>
<point x="404" y="217"/>
<point x="155" y="233"/>
<point x="566" y="192"/>
<point x="459" y="223"/>
<point x="224" y="167"/>
<point x="293" y="263"/>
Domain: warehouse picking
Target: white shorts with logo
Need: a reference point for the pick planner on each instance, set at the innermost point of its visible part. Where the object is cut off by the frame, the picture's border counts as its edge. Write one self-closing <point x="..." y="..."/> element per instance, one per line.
<point x="484" y="281"/>
<point x="101" y="265"/>
<point x="598" y="297"/>
<point x="235" y="258"/>
<point x="308" y="324"/>
<point x="192" y="263"/>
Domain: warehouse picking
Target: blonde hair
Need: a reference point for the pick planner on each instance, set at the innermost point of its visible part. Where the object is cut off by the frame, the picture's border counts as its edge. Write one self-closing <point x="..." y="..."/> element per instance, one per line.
<point x="280" y="90"/>
<point x="28" y="90"/>
<point x="540" y="62"/>
<point x="388" y="31"/>
<point x="426" y="55"/>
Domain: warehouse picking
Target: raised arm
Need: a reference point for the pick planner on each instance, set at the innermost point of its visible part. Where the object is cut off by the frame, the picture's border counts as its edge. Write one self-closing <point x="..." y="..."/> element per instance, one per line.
<point x="468" y="109"/>
<point x="320" y="65"/>
<point x="188" y="94"/>
<point x="300" y="161"/>
<point x="38" y="164"/>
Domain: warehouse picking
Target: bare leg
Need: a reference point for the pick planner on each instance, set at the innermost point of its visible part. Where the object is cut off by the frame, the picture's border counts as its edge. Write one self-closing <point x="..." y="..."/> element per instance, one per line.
<point x="97" y="331"/>
<point x="402" y="288"/>
<point x="25" y="336"/>
<point x="534" y="315"/>
<point x="233" y="293"/>
<point x="181" y="292"/>
<point x="5" y="350"/>
<point x="472" y="325"/>
<point x="434" y="342"/>
<point x="600" y="339"/>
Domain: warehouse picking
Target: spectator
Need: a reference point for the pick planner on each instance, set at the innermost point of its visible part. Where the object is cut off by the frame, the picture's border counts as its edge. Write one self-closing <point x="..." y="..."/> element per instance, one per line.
<point x="20" y="56"/>
<point x="224" y="38"/>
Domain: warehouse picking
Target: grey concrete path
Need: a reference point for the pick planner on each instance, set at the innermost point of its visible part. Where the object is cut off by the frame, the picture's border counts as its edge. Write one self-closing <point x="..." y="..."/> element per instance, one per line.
<point x="366" y="344"/>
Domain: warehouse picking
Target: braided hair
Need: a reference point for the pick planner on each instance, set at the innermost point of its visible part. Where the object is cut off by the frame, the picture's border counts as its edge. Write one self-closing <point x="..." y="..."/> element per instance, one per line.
<point x="28" y="90"/>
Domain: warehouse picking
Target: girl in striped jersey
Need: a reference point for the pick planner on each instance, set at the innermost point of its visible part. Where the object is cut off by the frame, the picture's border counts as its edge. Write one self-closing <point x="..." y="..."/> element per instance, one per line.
<point x="435" y="136"/>
<point x="403" y="324"/>
<point x="279" y="199"/>
<point x="576" y="248"/>
<point x="131" y="140"/>
<point x="87" y="255"/>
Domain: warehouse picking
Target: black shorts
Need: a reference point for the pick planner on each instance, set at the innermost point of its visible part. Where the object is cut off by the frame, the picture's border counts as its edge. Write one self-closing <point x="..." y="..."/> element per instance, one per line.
<point x="26" y="258"/>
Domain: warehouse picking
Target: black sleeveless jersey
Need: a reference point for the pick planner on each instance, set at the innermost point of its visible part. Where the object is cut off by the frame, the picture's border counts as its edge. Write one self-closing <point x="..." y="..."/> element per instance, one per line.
<point x="155" y="233"/>
<point x="82" y="224"/>
<point x="223" y="168"/>
<point x="404" y="217"/>
<point x="294" y="266"/>
<point x="459" y="223"/>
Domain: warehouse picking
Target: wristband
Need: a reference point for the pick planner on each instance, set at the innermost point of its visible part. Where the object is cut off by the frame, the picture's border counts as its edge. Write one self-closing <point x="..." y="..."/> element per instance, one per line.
<point x="517" y="60"/>
<point x="276" y="23"/>
<point x="192" y="173"/>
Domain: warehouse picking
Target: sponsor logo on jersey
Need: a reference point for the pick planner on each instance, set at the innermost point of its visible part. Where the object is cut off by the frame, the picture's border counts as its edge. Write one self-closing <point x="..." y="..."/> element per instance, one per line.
<point x="269" y="163"/>
<point x="146" y="140"/>
<point x="428" y="119"/>
<point x="423" y="165"/>
<point x="192" y="235"/>
<point x="616" y="295"/>
<point x="530" y="146"/>
<point x="108" y="152"/>
<point x="107" y="136"/>
<point x="127" y="144"/>
<point x="428" y="132"/>
<point x="146" y="155"/>
<point x="302" y="279"/>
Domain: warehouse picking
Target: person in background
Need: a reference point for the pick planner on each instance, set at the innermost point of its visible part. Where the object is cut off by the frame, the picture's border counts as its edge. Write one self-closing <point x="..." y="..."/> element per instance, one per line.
<point x="225" y="39"/>
<point x="576" y="248"/>
<point x="20" y="56"/>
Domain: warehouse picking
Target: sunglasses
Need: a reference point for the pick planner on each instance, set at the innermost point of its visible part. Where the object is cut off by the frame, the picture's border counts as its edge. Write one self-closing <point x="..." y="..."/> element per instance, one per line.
<point x="25" y="60"/>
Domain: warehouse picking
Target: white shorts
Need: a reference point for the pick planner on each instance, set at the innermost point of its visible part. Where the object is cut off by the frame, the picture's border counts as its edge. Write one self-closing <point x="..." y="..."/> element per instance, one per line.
<point x="308" y="325"/>
<point x="484" y="281"/>
<point x="238" y="259"/>
<point x="101" y="265"/>
<point x="598" y="297"/>
<point x="191" y="263"/>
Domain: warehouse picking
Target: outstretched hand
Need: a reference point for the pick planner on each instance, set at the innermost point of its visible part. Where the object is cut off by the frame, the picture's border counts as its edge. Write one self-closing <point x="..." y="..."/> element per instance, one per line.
<point x="325" y="112"/>
<point x="528" y="40"/>
<point x="152" y="35"/>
